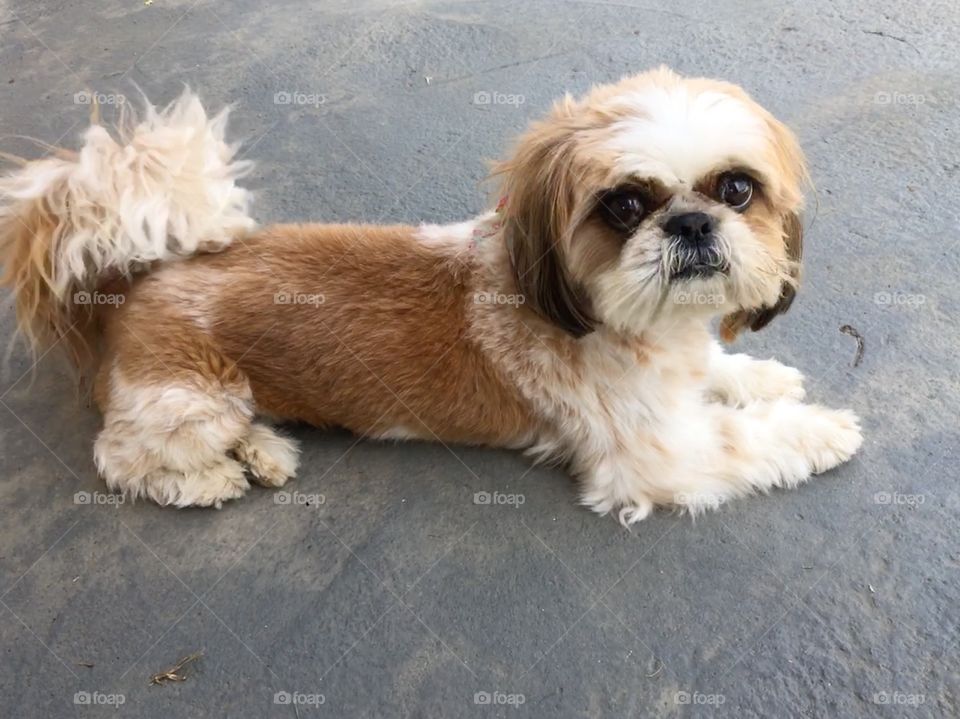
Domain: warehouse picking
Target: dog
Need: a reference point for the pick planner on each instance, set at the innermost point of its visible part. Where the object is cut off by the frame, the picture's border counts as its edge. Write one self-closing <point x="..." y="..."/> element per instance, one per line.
<point x="573" y="321"/>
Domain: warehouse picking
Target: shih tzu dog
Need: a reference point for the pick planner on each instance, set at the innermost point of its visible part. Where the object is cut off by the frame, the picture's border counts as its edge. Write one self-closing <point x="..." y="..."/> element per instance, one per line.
<point x="572" y="321"/>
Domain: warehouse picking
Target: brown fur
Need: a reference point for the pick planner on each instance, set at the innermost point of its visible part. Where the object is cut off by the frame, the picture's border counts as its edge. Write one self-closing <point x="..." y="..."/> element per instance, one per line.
<point x="546" y="184"/>
<point x="28" y="241"/>
<point x="386" y="348"/>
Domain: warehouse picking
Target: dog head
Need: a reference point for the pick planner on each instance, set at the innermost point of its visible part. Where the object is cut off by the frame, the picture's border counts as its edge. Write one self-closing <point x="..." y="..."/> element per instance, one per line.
<point x="655" y="197"/>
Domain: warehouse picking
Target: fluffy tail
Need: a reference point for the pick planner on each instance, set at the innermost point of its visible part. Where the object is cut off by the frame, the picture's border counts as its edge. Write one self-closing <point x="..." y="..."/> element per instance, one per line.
<point x="150" y="191"/>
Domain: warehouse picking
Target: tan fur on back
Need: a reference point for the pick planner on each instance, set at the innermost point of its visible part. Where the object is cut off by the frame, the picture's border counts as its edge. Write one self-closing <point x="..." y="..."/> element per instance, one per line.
<point x="353" y="326"/>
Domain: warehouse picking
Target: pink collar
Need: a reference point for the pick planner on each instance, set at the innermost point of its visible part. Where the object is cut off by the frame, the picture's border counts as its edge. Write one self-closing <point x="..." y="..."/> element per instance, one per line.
<point x="489" y="229"/>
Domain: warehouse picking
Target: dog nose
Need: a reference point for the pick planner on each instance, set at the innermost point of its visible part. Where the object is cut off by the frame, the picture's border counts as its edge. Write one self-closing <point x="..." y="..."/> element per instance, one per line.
<point x="691" y="227"/>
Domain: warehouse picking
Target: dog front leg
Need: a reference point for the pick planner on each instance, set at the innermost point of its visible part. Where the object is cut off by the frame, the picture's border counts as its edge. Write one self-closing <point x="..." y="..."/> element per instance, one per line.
<point x="708" y="454"/>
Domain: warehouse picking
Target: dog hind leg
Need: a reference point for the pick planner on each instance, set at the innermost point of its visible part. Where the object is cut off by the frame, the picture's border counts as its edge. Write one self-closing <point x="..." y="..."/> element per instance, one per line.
<point x="271" y="457"/>
<point x="168" y="433"/>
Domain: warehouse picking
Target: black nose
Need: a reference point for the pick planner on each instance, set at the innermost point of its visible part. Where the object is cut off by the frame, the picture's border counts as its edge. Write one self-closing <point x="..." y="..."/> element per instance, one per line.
<point x="692" y="227"/>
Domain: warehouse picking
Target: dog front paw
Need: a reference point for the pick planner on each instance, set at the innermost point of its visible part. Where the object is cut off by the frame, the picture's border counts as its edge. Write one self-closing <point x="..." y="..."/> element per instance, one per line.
<point x="831" y="438"/>
<point x="771" y="380"/>
<point x="783" y="443"/>
<point x="744" y="380"/>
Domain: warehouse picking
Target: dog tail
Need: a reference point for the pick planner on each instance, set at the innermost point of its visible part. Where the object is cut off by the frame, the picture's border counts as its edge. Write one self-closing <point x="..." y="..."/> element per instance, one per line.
<point x="146" y="191"/>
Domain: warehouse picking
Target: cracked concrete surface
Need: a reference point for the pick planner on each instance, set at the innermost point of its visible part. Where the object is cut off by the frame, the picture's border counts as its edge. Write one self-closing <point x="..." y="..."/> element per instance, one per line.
<point x="399" y="596"/>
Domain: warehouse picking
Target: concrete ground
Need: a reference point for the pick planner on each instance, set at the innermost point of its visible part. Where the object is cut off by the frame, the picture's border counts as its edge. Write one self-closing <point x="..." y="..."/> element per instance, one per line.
<point x="399" y="596"/>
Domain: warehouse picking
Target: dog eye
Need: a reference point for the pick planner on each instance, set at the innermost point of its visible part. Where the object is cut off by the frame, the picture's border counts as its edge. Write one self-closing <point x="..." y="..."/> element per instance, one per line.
<point x="735" y="189"/>
<point x="622" y="209"/>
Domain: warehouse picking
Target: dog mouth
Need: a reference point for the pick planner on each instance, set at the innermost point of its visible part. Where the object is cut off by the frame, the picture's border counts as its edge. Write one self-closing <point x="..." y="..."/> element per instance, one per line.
<point x="699" y="271"/>
<point x="700" y="268"/>
<point x="696" y="261"/>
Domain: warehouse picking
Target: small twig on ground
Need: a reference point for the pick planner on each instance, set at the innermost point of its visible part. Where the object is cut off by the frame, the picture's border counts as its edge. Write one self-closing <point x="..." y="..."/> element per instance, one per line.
<point x="852" y="331"/>
<point x="173" y="673"/>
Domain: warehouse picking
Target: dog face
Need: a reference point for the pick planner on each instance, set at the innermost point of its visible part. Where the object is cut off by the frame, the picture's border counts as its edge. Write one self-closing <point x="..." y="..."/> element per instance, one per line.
<point x="655" y="197"/>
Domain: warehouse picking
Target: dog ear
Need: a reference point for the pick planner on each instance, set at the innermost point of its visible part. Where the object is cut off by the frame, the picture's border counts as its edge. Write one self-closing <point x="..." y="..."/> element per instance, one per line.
<point x="540" y="196"/>
<point x="757" y="319"/>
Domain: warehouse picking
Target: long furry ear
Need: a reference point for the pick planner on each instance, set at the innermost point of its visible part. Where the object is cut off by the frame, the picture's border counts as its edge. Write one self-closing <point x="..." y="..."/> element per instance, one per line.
<point x="757" y="319"/>
<point x="540" y="190"/>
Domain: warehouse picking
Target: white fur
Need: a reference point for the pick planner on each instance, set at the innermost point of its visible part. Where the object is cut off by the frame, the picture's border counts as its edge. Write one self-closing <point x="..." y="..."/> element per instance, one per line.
<point x="164" y="188"/>
<point x="613" y="418"/>
<point x="677" y="137"/>
<point x="453" y="235"/>
<point x="642" y="432"/>
<point x="171" y="443"/>
<point x="636" y="290"/>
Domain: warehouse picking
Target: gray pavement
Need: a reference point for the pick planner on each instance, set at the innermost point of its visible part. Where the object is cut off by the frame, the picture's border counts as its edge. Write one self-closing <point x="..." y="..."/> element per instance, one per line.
<point x="400" y="596"/>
